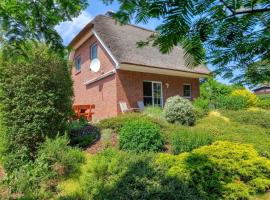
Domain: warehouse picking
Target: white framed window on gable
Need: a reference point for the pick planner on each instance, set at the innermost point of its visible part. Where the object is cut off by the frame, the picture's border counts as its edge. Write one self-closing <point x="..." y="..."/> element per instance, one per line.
<point x="93" y="51"/>
<point x="187" y="91"/>
<point x="152" y="93"/>
<point x="78" y="63"/>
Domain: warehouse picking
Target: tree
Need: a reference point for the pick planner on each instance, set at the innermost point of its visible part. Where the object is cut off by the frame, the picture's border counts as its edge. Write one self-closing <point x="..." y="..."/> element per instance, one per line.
<point x="231" y="35"/>
<point x="35" y="101"/>
<point x="32" y="19"/>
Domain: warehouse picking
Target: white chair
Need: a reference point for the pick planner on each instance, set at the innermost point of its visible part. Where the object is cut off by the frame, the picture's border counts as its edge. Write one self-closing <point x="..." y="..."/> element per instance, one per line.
<point x="124" y="108"/>
<point x="140" y="105"/>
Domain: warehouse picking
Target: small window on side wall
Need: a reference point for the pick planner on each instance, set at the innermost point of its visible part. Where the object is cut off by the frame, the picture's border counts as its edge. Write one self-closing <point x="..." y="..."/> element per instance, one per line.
<point x="187" y="91"/>
<point x="78" y="63"/>
<point x="93" y="51"/>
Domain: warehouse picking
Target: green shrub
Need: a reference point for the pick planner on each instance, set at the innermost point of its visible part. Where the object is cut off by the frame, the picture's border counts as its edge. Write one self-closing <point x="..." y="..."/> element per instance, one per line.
<point x="223" y="170"/>
<point x="125" y="175"/>
<point x="153" y="111"/>
<point x="83" y="134"/>
<point x="186" y="140"/>
<point x="201" y="103"/>
<point x="140" y="135"/>
<point x="116" y="123"/>
<point x="231" y="102"/>
<point x="251" y="98"/>
<point x="179" y="111"/>
<point x="252" y="116"/>
<point x="38" y="179"/>
<point x="36" y="98"/>
<point x="264" y="101"/>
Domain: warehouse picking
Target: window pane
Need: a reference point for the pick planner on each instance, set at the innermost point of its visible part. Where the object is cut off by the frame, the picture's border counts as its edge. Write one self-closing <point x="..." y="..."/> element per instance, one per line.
<point x="147" y="89"/>
<point x="93" y="51"/>
<point x="147" y="101"/>
<point x="78" y="64"/>
<point x="187" y="90"/>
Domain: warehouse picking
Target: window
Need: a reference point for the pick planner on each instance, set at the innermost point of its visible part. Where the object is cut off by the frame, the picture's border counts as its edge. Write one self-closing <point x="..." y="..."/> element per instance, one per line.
<point x="78" y="63"/>
<point x="152" y="93"/>
<point x="187" y="90"/>
<point x="93" y="51"/>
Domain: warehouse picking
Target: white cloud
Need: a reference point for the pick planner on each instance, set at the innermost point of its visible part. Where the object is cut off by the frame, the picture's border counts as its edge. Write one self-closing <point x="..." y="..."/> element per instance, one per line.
<point x="69" y="29"/>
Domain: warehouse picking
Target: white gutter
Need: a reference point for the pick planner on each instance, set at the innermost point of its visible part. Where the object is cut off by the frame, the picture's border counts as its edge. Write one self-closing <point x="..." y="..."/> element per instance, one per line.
<point x="100" y="77"/>
<point x="106" y="48"/>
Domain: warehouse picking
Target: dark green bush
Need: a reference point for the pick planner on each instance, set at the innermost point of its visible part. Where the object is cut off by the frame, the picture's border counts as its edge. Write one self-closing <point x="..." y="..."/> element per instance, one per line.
<point x="179" y="111"/>
<point x="140" y="135"/>
<point x="38" y="179"/>
<point x="186" y="140"/>
<point x="121" y="175"/>
<point x="36" y="98"/>
<point x="231" y="102"/>
<point x="83" y="134"/>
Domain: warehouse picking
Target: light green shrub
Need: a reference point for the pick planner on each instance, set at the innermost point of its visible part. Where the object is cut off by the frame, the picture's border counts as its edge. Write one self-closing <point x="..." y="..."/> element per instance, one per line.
<point x="186" y="140"/>
<point x="116" y="123"/>
<point x="231" y="102"/>
<point x="140" y="135"/>
<point x="201" y="103"/>
<point x="253" y="116"/>
<point x="38" y="179"/>
<point x="125" y="175"/>
<point x="223" y="170"/>
<point x="179" y="111"/>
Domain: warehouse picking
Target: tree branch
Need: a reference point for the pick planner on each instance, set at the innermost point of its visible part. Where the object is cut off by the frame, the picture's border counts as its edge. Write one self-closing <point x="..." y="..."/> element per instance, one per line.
<point x="227" y="6"/>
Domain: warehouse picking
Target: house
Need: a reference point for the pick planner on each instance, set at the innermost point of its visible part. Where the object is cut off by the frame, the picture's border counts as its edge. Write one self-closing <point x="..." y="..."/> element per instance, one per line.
<point x="262" y="90"/>
<point x="127" y="74"/>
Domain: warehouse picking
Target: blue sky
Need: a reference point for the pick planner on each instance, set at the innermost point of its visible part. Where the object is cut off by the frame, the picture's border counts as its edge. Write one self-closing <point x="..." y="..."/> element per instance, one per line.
<point x="69" y="29"/>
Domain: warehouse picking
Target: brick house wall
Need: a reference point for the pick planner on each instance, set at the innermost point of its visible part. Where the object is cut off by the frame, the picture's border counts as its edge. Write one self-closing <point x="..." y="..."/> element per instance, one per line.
<point x="130" y="86"/>
<point x="263" y="91"/>
<point x="101" y="93"/>
<point x="125" y="86"/>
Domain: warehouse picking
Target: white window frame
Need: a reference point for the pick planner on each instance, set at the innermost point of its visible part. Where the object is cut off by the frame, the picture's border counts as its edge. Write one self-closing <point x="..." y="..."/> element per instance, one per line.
<point x="161" y="92"/>
<point x="187" y="84"/>
<point x="91" y="51"/>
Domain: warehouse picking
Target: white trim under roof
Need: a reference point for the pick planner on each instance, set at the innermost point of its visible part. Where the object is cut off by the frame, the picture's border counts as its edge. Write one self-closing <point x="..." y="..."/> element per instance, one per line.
<point x="100" y="77"/>
<point x="154" y="70"/>
<point x="106" y="48"/>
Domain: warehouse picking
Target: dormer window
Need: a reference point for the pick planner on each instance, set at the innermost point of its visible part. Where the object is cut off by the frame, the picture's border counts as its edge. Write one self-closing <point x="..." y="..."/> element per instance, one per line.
<point x="78" y="63"/>
<point x="93" y="51"/>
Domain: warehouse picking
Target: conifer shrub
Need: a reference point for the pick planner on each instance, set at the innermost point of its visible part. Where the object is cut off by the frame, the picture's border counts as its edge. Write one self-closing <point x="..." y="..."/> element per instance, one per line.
<point x="179" y="110"/>
<point x="140" y="135"/>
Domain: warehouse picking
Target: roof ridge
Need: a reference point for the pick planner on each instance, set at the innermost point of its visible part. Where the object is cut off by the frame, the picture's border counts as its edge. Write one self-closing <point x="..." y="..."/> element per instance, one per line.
<point x="136" y="26"/>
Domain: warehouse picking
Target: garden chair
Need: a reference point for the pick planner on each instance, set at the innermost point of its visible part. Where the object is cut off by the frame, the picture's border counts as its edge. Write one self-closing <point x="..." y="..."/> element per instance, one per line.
<point x="124" y="108"/>
<point x="140" y="105"/>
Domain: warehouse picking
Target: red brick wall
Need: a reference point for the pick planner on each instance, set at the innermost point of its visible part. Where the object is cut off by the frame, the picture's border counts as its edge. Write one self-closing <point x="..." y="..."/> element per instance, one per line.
<point x="101" y="93"/>
<point x="130" y="86"/>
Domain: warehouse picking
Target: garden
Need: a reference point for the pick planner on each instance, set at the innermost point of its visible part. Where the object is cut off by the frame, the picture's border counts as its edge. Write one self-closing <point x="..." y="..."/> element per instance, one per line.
<point x="203" y="150"/>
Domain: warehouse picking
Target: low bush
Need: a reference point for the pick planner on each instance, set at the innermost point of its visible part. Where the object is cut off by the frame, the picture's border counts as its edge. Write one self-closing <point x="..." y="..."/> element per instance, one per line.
<point x="201" y="103"/>
<point x="231" y="102"/>
<point x="140" y="135"/>
<point x="116" y="123"/>
<point x="179" y="111"/>
<point x="223" y="170"/>
<point x="264" y="101"/>
<point x="186" y="140"/>
<point x="38" y="179"/>
<point x="83" y="134"/>
<point x="251" y="98"/>
<point x="125" y="175"/>
<point x="252" y="116"/>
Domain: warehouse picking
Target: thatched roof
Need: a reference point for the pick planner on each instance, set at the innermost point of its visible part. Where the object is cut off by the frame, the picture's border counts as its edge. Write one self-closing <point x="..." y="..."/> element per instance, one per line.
<point x="122" y="42"/>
